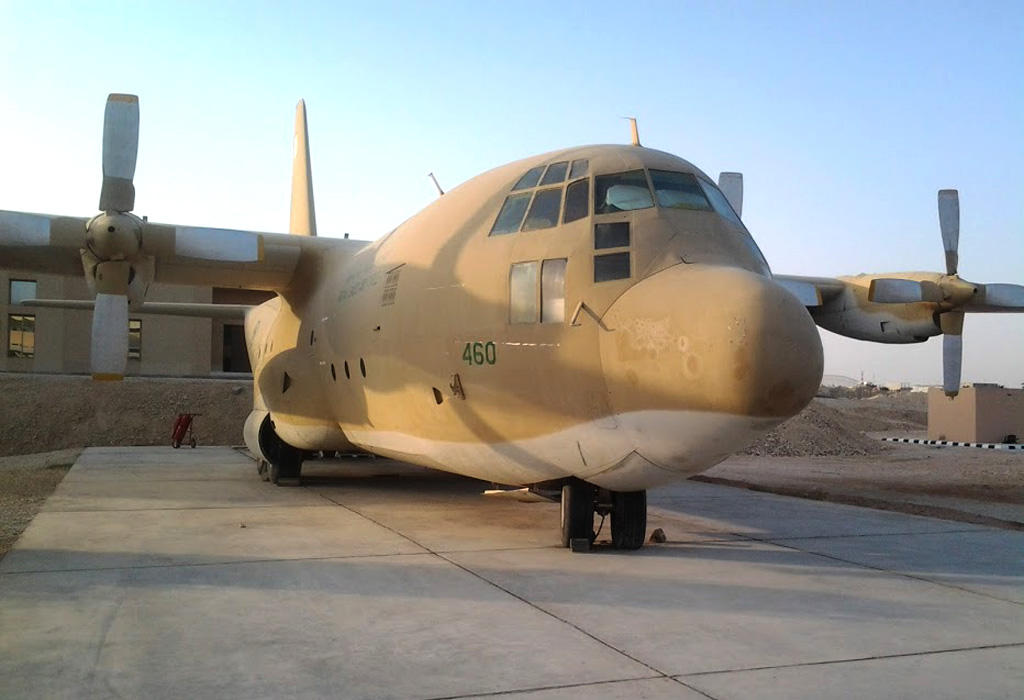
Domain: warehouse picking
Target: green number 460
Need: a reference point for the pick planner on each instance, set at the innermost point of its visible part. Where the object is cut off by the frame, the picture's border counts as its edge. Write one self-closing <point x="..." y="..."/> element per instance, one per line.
<point x="480" y="353"/>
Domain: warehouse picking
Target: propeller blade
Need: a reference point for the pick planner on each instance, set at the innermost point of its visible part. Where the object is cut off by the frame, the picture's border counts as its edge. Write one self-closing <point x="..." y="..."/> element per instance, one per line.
<point x="949" y="225"/>
<point x="731" y="185"/>
<point x="18" y="229"/>
<point x="952" y="357"/>
<point x="1010" y="296"/>
<point x="109" y="347"/>
<point x="952" y="325"/>
<point x="220" y="244"/>
<point x="120" y="151"/>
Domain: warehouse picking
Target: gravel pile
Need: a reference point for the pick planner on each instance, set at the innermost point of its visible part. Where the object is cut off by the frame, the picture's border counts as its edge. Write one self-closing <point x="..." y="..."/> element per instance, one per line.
<point x="41" y="413"/>
<point x="836" y="427"/>
<point x="25" y="482"/>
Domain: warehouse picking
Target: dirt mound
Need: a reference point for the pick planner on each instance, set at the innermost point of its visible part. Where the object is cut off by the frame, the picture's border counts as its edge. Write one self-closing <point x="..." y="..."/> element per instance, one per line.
<point x="40" y="413"/>
<point x="834" y="428"/>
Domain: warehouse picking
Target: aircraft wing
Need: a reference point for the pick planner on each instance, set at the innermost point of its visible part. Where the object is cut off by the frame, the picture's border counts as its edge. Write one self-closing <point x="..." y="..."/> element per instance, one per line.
<point x="171" y="254"/>
<point x="154" y="308"/>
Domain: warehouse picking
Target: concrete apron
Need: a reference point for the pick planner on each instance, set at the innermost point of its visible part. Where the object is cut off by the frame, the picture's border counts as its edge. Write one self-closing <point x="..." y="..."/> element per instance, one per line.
<point x="162" y="573"/>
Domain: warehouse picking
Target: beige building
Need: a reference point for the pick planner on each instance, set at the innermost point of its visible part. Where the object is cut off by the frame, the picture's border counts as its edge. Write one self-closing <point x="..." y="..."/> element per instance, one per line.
<point x="57" y="340"/>
<point x="980" y="413"/>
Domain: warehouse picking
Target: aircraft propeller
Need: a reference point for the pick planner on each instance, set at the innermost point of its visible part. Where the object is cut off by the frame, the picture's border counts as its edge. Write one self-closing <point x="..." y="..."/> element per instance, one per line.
<point x="118" y="249"/>
<point x="951" y="295"/>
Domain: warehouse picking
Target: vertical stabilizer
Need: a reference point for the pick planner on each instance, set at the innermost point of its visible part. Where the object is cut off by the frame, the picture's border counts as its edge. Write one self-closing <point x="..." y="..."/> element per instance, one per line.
<point x="303" y="217"/>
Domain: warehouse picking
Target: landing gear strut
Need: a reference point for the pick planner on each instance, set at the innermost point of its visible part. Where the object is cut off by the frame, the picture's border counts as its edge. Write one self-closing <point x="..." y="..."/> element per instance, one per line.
<point x="628" y="511"/>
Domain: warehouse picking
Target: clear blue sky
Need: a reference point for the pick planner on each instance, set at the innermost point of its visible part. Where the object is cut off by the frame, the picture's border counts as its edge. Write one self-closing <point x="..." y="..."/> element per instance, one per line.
<point x="844" y="117"/>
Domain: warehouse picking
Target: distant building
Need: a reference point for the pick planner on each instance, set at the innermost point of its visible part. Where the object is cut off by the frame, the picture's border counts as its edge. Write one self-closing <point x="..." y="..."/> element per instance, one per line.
<point x="979" y="413"/>
<point x="839" y="380"/>
<point x="58" y="340"/>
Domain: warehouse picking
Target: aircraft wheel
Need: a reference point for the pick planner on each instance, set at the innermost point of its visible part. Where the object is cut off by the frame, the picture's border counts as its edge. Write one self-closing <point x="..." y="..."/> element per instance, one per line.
<point x="629" y="519"/>
<point x="577" y="512"/>
<point x="263" y="469"/>
<point x="286" y="473"/>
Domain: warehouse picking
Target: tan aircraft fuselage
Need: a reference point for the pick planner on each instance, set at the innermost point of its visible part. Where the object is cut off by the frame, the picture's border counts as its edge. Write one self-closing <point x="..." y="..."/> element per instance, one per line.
<point x="498" y="355"/>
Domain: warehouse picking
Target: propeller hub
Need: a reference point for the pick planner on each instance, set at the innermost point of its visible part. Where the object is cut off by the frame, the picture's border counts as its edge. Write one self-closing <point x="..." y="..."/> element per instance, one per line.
<point x="114" y="236"/>
<point x="957" y="292"/>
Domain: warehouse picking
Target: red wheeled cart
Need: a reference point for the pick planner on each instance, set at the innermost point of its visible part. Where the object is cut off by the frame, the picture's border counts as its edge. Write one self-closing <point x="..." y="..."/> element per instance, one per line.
<point x="182" y="431"/>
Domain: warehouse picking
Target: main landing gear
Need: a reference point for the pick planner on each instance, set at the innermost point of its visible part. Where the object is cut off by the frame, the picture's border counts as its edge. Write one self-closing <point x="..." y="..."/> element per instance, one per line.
<point x="285" y="466"/>
<point x="281" y="474"/>
<point x="627" y="511"/>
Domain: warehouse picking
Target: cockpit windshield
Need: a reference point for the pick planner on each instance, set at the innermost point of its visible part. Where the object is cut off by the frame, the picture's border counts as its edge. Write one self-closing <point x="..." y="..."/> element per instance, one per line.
<point x="720" y="203"/>
<point x="621" y="192"/>
<point x="678" y="191"/>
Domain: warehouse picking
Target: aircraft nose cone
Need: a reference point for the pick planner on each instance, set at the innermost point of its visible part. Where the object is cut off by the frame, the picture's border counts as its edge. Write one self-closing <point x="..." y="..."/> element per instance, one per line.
<point x="711" y="340"/>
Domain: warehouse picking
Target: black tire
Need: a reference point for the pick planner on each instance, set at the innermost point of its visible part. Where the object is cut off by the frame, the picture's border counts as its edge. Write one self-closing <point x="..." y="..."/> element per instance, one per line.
<point x="263" y="469"/>
<point x="288" y="466"/>
<point x="629" y="519"/>
<point x="176" y="444"/>
<point x="577" y="512"/>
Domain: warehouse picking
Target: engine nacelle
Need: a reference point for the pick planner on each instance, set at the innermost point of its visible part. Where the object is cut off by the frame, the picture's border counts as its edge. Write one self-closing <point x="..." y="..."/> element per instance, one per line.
<point x="263" y="441"/>
<point x="879" y="323"/>
<point x="278" y="442"/>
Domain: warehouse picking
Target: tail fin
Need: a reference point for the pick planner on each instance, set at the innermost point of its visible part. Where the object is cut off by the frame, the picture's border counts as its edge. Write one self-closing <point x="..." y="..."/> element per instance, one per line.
<point x="303" y="216"/>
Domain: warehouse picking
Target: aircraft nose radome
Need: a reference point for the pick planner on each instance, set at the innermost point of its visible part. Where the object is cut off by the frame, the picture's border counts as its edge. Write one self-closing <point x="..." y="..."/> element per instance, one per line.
<point x="710" y="339"/>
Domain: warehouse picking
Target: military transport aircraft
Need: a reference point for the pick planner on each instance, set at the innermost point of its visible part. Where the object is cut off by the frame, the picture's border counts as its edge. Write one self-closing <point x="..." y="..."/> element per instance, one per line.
<point x="596" y="319"/>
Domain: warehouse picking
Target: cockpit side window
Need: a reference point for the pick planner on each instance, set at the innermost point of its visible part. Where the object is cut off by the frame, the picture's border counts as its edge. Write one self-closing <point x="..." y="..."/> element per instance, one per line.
<point x="511" y="214"/>
<point x="577" y="201"/>
<point x="544" y="210"/>
<point x="579" y="168"/>
<point x="621" y="192"/>
<point x="555" y="173"/>
<point x="678" y="191"/>
<point x="720" y="203"/>
<point x="529" y="179"/>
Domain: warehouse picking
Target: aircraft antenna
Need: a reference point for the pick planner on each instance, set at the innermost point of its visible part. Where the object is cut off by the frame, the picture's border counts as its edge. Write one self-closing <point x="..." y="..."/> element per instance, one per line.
<point x="633" y="130"/>
<point x="433" y="179"/>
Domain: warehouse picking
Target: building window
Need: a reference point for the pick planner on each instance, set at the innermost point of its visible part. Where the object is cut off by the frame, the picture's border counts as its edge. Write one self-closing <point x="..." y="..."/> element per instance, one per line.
<point x="21" y="335"/>
<point x="134" y="339"/>
<point x="21" y="290"/>
<point x="523" y="306"/>
<point x="552" y="291"/>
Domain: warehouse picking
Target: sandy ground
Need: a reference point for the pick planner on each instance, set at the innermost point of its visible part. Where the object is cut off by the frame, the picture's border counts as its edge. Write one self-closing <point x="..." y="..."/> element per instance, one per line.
<point x="25" y="482"/>
<point x="824" y="453"/>
<point x="955" y="483"/>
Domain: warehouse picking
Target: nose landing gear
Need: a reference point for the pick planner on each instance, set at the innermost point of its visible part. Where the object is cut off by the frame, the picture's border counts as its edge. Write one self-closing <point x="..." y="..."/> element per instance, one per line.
<point x="627" y="509"/>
